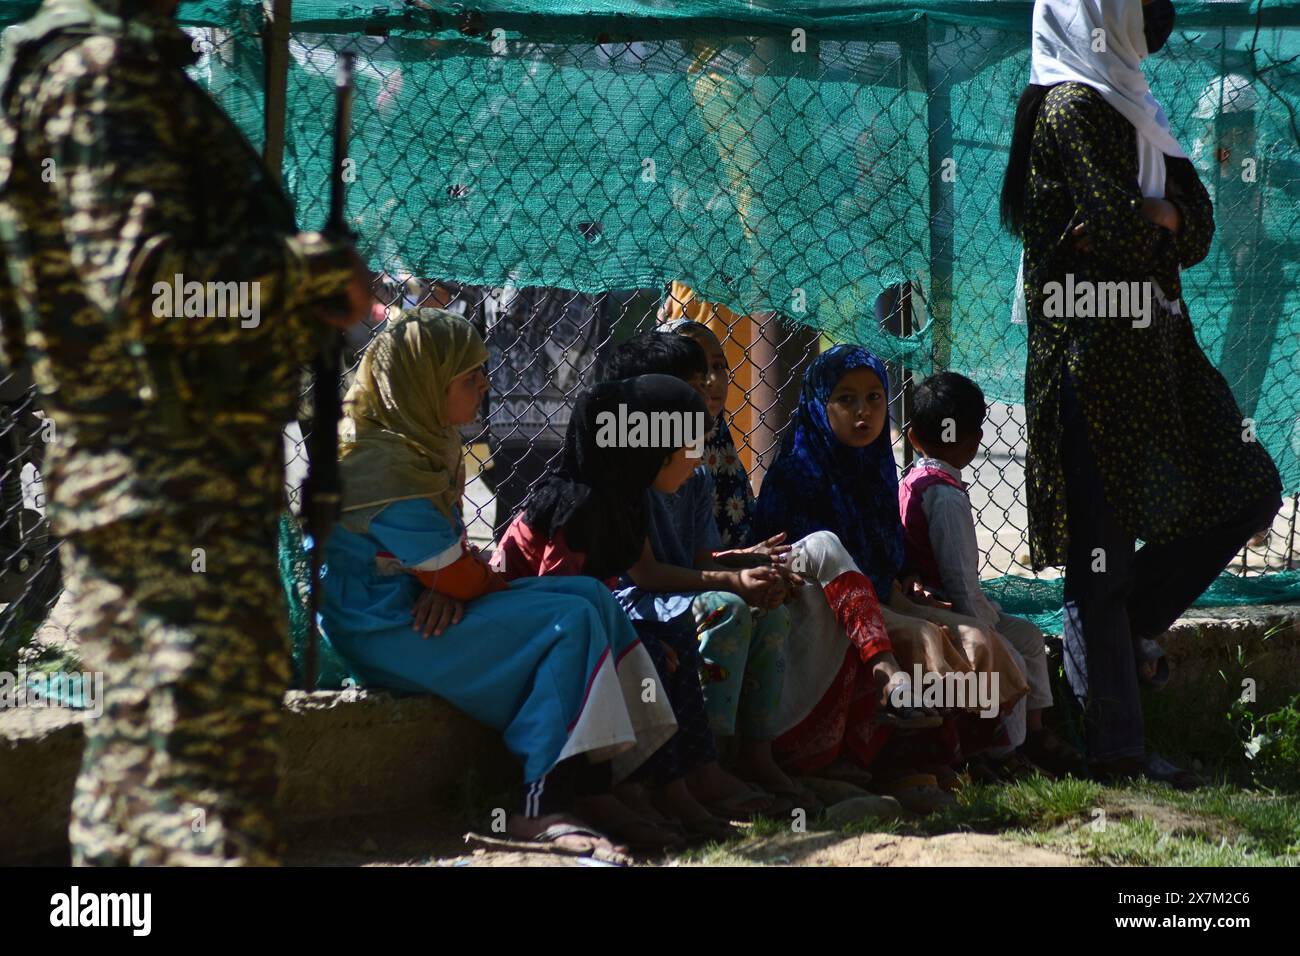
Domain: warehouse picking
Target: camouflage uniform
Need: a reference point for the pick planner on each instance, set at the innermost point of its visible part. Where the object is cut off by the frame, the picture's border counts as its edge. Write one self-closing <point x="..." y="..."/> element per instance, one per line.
<point x="169" y="430"/>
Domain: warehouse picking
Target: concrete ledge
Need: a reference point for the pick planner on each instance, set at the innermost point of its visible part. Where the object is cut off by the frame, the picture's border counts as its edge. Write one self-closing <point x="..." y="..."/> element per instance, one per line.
<point x="1261" y="640"/>
<point x="361" y="752"/>
<point x="345" y="753"/>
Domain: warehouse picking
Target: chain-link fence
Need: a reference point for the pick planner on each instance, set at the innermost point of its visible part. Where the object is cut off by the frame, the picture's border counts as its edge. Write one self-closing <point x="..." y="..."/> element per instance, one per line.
<point x="795" y="177"/>
<point x="827" y="185"/>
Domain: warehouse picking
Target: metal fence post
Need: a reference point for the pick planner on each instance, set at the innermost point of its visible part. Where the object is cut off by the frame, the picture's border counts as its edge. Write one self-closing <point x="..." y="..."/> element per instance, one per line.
<point x="275" y="47"/>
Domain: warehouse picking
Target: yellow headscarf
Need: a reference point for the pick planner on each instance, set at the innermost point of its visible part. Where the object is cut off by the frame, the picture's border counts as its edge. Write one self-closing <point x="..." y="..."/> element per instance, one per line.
<point x="395" y="443"/>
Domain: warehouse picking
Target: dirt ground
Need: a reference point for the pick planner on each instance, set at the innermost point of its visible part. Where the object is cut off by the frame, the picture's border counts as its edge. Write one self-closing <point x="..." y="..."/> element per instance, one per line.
<point x="428" y="840"/>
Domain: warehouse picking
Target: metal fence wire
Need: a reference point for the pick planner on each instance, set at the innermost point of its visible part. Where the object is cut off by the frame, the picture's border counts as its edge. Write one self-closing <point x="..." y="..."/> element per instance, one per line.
<point x="566" y="182"/>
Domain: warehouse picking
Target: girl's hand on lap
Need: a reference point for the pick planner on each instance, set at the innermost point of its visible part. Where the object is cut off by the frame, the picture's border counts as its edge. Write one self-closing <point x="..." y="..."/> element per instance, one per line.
<point x="918" y="593"/>
<point x="755" y="585"/>
<point x="434" y="613"/>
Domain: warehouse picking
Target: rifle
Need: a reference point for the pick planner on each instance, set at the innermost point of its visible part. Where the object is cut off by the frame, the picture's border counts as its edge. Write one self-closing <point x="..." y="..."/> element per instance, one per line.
<point x="322" y="491"/>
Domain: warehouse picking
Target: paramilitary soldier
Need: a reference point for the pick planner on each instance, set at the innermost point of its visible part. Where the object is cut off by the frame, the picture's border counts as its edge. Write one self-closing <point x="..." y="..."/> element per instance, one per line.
<point x="120" y="181"/>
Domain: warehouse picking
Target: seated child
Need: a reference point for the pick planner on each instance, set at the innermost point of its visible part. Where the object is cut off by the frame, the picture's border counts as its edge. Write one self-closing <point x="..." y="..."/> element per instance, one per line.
<point x="836" y="472"/>
<point x="590" y="516"/>
<point x="939" y="535"/>
<point x="552" y="663"/>
<point x="733" y="497"/>
<point x="739" y="611"/>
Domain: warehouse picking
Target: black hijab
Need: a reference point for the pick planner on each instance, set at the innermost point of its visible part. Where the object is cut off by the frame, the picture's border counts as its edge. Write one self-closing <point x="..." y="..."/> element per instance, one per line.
<point x="597" y="496"/>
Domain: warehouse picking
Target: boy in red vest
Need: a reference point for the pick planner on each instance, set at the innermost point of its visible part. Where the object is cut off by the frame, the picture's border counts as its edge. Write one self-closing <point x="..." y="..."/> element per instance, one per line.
<point x="939" y="535"/>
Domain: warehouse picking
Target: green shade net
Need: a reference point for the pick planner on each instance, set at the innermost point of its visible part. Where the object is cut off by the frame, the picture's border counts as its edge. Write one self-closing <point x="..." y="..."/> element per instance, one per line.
<point x="295" y="577"/>
<point x="799" y="157"/>
<point x="1040" y="600"/>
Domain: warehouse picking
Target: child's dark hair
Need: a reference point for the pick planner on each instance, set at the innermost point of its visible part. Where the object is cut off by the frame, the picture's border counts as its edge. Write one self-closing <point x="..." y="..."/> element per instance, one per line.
<point x="947" y="397"/>
<point x="653" y="353"/>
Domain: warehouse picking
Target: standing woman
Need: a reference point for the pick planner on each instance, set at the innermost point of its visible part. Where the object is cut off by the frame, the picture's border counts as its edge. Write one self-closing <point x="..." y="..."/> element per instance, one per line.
<point x="1132" y="433"/>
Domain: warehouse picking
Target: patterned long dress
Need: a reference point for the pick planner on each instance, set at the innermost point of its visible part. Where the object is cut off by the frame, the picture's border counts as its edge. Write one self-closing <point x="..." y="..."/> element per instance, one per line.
<point x="1174" y="454"/>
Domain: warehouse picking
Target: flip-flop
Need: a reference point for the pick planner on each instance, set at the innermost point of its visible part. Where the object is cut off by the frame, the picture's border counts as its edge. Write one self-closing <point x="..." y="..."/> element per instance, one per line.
<point x="982" y="770"/>
<point x="948" y="779"/>
<point x="545" y="842"/>
<point x="905" y="719"/>
<point x="919" y="793"/>
<point x="647" y="836"/>
<point x="1151" y="767"/>
<point x="1157" y="768"/>
<point x="845" y="773"/>
<point x="1014" y="766"/>
<point x="1053" y="756"/>
<point x="740" y="806"/>
<point x="786" y="800"/>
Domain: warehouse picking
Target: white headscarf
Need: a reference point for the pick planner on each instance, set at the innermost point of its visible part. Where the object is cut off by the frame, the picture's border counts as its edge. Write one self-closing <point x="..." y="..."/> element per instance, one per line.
<point x="1100" y="43"/>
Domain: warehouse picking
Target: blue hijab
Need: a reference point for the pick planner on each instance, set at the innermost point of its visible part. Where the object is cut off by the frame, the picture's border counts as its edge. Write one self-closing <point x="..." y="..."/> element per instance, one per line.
<point x="817" y="483"/>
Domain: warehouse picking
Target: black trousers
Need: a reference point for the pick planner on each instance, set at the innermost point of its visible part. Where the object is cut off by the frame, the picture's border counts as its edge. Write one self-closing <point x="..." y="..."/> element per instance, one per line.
<point x="1133" y="595"/>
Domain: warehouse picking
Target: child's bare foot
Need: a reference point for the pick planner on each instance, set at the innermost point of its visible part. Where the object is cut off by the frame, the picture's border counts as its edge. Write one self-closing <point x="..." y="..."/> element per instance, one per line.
<point x="675" y="799"/>
<point x="635" y="798"/>
<point x="621" y="821"/>
<point x="754" y="762"/>
<point x="710" y="785"/>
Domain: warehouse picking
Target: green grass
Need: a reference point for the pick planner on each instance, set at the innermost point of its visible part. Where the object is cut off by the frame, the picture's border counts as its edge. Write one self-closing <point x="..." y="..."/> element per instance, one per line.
<point x="1139" y="825"/>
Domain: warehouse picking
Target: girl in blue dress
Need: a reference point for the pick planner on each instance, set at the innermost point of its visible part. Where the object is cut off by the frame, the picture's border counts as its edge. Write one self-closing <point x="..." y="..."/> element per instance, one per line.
<point x="553" y="663"/>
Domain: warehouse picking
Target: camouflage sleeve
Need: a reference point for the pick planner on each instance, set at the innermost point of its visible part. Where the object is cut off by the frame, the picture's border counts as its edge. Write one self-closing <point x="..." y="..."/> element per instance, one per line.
<point x="118" y="147"/>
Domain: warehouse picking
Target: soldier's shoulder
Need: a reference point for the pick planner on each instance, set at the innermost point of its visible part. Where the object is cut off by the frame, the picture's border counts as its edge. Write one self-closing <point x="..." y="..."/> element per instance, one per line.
<point x="93" y="55"/>
<point x="77" y="62"/>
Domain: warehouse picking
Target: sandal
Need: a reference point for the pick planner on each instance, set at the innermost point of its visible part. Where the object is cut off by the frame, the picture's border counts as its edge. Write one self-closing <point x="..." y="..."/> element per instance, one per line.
<point x="1151" y="767"/>
<point x="547" y="842"/>
<point x="920" y="793"/>
<point x="633" y="828"/>
<point x="1157" y="768"/>
<point x="846" y="772"/>
<point x="789" y="799"/>
<point x="1014" y="767"/>
<point x="1046" y="750"/>
<point x="645" y="835"/>
<point x="981" y="770"/>
<point x="903" y="719"/>
<point x="741" y="806"/>
<point x="948" y="779"/>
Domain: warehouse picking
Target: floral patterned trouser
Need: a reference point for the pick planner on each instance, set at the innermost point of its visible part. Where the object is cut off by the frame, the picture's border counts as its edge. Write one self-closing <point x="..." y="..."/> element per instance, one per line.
<point x="743" y="671"/>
